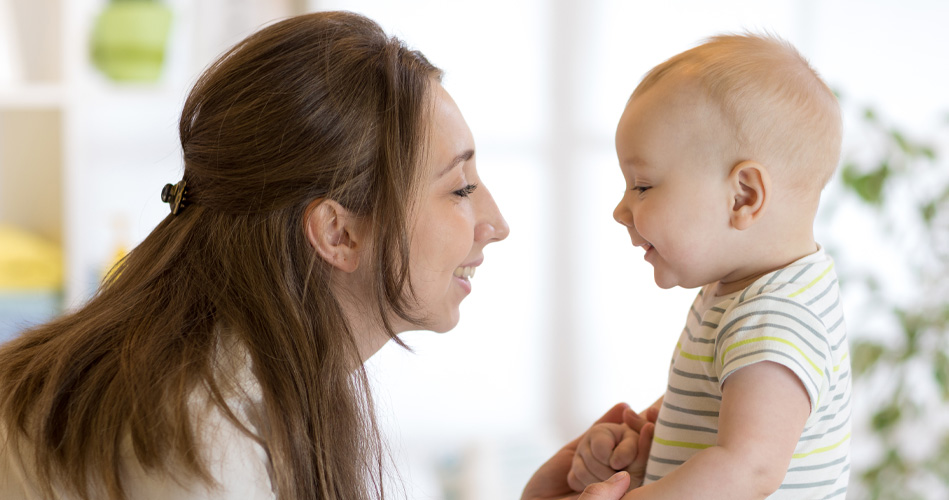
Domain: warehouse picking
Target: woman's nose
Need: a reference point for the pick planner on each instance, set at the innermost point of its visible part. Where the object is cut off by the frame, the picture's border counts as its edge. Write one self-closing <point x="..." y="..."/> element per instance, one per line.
<point x="491" y="225"/>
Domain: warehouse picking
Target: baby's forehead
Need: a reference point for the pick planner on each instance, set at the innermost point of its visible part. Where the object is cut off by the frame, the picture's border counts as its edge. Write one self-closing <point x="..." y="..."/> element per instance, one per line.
<point x="679" y="103"/>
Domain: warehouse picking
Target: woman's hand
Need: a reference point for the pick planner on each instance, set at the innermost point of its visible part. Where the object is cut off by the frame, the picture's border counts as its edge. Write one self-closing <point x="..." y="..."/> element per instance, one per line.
<point x="550" y="480"/>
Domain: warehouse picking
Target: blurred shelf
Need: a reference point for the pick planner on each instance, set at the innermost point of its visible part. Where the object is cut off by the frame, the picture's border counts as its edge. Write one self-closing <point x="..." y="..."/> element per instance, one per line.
<point x="31" y="96"/>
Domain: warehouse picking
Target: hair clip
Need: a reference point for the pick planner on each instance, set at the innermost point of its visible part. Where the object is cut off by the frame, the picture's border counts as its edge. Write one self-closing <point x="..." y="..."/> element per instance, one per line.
<point x="174" y="195"/>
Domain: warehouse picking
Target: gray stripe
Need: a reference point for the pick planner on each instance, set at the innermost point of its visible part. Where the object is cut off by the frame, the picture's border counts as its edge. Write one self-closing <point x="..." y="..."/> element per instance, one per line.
<point x="696" y="376"/>
<point x="694" y="394"/>
<point x="697" y="340"/>
<point x="811" y="437"/>
<point x="772" y="351"/>
<point x="842" y="377"/>
<point x="687" y="411"/>
<point x="801" y="486"/>
<point x="843" y="338"/>
<point x="717" y="309"/>
<point x="798" y="275"/>
<point x="836" y="398"/>
<point x="829" y="482"/>
<point x="652" y="477"/>
<point x="709" y="324"/>
<point x="742" y="298"/>
<point x="725" y="330"/>
<point x="841" y="491"/>
<point x="665" y="461"/>
<point x="833" y="307"/>
<point x="694" y="313"/>
<point x="806" y="468"/>
<point x="784" y="300"/>
<point x="686" y="427"/>
<point x="773" y="277"/>
<point x="806" y="433"/>
<point x="835" y="325"/>
<point x="827" y="289"/>
<point x="777" y="327"/>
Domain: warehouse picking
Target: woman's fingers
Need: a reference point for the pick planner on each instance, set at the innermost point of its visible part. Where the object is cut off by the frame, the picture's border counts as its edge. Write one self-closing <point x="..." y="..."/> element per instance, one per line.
<point x="612" y="489"/>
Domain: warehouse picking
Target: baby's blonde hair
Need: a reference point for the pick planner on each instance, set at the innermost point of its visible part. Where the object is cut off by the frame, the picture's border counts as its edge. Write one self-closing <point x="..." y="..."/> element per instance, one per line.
<point x="782" y="113"/>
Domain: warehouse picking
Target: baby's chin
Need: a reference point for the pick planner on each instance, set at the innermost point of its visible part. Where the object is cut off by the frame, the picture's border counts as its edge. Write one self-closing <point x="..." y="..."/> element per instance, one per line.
<point x="669" y="282"/>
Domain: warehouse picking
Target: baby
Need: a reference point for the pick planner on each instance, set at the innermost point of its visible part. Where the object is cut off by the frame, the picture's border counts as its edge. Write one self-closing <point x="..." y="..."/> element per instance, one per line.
<point x="725" y="149"/>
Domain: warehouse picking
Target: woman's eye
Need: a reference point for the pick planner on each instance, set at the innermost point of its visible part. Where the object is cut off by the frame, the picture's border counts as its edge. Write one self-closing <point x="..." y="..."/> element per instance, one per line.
<point x="465" y="191"/>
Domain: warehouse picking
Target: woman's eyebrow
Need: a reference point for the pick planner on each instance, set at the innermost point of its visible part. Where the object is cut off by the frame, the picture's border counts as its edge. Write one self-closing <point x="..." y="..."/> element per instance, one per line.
<point x="463" y="157"/>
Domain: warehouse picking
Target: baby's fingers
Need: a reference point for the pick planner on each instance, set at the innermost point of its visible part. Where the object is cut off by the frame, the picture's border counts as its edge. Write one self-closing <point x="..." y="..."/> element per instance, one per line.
<point x="603" y="439"/>
<point x="626" y="451"/>
<point x="586" y="471"/>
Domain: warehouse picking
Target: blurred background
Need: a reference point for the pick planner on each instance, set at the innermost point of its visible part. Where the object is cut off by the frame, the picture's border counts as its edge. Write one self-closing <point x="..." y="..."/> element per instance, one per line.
<point x="565" y="319"/>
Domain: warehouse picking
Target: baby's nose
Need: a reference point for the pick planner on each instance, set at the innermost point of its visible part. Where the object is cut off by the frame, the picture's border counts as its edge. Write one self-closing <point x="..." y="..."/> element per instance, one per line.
<point x="623" y="215"/>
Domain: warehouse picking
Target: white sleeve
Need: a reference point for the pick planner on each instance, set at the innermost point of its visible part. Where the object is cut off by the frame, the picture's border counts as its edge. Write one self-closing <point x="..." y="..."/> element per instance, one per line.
<point x="238" y="464"/>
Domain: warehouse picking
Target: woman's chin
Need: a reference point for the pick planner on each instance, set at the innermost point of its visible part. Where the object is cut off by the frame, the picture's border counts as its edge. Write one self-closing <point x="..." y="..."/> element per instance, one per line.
<point x="446" y="324"/>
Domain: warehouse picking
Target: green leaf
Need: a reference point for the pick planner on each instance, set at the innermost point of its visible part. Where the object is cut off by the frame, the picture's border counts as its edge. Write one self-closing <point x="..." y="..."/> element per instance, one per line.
<point x="869" y="115"/>
<point x="928" y="212"/>
<point x="939" y="462"/>
<point x="869" y="187"/>
<point x="865" y="356"/>
<point x="913" y="325"/>
<point x="941" y="374"/>
<point x="901" y="141"/>
<point x="886" y="418"/>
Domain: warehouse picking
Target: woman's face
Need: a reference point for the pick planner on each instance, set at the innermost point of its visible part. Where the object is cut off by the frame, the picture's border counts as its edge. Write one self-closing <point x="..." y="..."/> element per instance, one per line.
<point x="455" y="219"/>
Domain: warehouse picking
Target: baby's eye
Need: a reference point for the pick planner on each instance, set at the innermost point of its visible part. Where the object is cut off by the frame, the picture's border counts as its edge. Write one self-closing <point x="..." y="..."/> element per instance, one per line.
<point x="465" y="191"/>
<point x="641" y="189"/>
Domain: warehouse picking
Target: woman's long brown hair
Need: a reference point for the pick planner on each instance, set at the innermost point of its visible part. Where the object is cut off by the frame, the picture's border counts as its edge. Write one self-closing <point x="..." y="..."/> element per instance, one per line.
<point x="324" y="105"/>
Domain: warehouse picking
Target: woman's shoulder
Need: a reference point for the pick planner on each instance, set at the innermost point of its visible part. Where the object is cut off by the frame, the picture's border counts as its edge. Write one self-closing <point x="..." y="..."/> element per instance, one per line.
<point x="229" y="438"/>
<point x="236" y="459"/>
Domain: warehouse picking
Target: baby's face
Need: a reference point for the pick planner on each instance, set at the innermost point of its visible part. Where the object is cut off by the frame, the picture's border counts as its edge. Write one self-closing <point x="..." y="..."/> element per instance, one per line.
<point x="676" y="202"/>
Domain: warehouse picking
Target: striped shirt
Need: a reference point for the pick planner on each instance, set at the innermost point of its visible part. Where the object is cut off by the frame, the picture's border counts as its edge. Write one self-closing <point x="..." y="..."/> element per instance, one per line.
<point x="792" y="317"/>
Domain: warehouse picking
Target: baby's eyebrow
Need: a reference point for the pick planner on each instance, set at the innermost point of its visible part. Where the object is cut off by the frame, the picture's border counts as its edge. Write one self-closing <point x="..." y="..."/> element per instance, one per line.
<point x="638" y="161"/>
<point x="635" y="161"/>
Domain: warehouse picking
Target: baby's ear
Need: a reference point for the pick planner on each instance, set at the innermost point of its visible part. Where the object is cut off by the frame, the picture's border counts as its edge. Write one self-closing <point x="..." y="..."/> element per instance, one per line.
<point x="750" y="187"/>
<point x="334" y="233"/>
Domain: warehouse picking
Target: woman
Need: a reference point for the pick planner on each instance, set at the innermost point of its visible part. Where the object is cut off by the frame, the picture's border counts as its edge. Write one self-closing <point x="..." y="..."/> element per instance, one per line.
<point x="329" y="202"/>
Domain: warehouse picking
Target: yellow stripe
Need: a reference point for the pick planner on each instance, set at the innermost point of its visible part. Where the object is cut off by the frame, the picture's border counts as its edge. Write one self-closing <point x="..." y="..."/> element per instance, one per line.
<point x="693" y="357"/>
<point x="775" y="339"/>
<point x="822" y="450"/>
<point x="682" y="444"/>
<point x="846" y="355"/>
<point x="812" y="283"/>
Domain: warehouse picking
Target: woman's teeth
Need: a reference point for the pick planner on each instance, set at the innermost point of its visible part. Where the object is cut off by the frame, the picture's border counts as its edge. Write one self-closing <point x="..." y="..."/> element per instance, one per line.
<point x="464" y="272"/>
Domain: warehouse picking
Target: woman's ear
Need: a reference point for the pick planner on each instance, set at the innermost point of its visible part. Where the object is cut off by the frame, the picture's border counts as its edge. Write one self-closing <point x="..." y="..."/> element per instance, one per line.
<point x="333" y="232"/>
<point x="750" y="189"/>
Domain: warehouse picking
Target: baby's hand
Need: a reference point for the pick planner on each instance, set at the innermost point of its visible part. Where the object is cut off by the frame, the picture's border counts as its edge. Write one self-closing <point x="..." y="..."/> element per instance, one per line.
<point x="608" y="448"/>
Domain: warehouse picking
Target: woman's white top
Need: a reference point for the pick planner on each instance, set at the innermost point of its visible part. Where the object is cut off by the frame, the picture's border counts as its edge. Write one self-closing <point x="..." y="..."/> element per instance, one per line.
<point x="237" y="462"/>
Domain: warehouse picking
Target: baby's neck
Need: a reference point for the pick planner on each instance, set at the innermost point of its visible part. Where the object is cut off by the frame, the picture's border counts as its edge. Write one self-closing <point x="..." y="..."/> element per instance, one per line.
<point x="749" y="273"/>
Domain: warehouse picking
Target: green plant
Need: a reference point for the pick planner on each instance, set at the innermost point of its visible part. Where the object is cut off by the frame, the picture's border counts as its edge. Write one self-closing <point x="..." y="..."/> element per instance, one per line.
<point x="898" y="282"/>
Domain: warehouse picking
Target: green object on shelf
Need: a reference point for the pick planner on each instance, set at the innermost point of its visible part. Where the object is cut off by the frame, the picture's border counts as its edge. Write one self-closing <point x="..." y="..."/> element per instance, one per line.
<point x="129" y="39"/>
